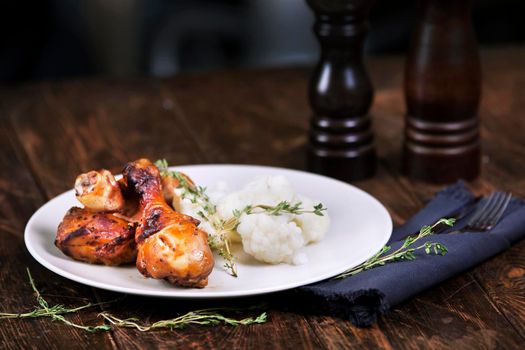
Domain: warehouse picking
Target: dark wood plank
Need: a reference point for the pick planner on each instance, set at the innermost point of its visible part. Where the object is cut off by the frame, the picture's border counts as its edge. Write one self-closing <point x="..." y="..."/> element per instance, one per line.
<point x="19" y="198"/>
<point x="335" y="333"/>
<point x="262" y="117"/>
<point x="245" y="117"/>
<point x="503" y="123"/>
<point x="503" y="278"/>
<point x="454" y="315"/>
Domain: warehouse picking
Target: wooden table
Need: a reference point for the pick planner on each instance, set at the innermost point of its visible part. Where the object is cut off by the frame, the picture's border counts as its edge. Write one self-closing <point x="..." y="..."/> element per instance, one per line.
<point x="50" y="132"/>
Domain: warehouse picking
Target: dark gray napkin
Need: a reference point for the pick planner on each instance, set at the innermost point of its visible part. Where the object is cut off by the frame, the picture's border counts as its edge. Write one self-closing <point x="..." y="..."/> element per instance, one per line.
<point x="362" y="297"/>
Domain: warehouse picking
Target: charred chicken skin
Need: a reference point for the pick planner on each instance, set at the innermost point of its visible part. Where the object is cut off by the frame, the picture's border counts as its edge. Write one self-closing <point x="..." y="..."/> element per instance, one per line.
<point x="96" y="233"/>
<point x="170" y="246"/>
<point x="96" y="237"/>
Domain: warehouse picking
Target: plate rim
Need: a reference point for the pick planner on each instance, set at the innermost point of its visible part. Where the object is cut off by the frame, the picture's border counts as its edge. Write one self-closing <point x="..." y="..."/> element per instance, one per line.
<point x="187" y="293"/>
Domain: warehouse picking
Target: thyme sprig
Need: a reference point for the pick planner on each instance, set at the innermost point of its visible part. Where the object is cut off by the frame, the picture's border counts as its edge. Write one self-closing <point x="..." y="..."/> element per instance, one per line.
<point x="283" y="207"/>
<point x="55" y="312"/>
<point x="199" y="317"/>
<point x="197" y="195"/>
<point x="221" y="243"/>
<point x="405" y="252"/>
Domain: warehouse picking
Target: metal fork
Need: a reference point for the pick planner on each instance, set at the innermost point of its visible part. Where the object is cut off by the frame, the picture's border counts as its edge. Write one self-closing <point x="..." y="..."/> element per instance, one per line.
<point x="486" y="217"/>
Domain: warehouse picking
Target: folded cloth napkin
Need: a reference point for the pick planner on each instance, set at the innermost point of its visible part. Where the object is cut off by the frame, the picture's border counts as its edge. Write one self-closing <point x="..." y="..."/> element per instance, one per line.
<point x="362" y="297"/>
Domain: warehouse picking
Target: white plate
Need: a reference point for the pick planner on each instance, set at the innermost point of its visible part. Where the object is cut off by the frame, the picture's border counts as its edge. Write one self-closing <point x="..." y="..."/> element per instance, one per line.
<point x="360" y="226"/>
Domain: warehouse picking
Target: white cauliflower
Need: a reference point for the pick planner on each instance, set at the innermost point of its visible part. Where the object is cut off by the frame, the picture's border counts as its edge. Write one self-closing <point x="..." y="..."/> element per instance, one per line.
<point x="314" y="227"/>
<point x="271" y="239"/>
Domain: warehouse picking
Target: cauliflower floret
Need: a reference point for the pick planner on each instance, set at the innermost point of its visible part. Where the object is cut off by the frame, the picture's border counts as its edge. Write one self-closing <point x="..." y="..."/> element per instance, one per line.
<point x="314" y="227"/>
<point x="271" y="239"/>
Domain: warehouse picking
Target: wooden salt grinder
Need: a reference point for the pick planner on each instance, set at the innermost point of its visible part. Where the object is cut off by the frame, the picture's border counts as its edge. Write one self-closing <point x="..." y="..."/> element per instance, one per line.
<point x="340" y="93"/>
<point x="442" y="91"/>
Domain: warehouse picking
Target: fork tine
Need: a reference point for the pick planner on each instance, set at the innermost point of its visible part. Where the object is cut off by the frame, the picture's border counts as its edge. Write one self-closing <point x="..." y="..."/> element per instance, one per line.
<point x="481" y="212"/>
<point x="497" y="215"/>
<point x="488" y="215"/>
<point x="494" y="207"/>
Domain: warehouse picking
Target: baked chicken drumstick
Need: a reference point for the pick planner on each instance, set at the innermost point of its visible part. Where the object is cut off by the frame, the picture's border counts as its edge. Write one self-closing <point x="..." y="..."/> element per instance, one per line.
<point x="96" y="234"/>
<point x="170" y="246"/>
<point x="96" y="237"/>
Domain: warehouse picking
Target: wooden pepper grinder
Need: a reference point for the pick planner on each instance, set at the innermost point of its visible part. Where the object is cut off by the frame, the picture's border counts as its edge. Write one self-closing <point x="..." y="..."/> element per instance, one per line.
<point x="442" y="90"/>
<point x="340" y="93"/>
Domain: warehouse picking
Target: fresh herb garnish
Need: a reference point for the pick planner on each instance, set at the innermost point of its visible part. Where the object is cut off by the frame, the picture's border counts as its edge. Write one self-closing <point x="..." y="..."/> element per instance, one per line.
<point x="55" y="312"/>
<point x="199" y="317"/>
<point x="281" y="208"/>
<point x="405" y="252"/>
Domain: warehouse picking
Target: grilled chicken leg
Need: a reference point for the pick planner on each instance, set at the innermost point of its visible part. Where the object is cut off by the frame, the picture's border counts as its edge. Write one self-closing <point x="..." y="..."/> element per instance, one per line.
<point x="170" y="246"/>
<point x="97" y="234"/>
<point x="96" y="237"/>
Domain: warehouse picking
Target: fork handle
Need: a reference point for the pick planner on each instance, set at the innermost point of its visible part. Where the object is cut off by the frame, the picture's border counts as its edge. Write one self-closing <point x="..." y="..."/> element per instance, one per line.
<point x="460" y="214"/>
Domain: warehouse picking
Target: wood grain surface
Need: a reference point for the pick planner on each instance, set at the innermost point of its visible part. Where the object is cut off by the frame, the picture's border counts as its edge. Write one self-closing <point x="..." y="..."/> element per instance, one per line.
<point x="51" y="131"/>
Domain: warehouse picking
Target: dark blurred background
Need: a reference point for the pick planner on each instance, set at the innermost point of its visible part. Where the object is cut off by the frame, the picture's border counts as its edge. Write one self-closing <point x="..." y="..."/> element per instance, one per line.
<point x="58" y="39"/>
